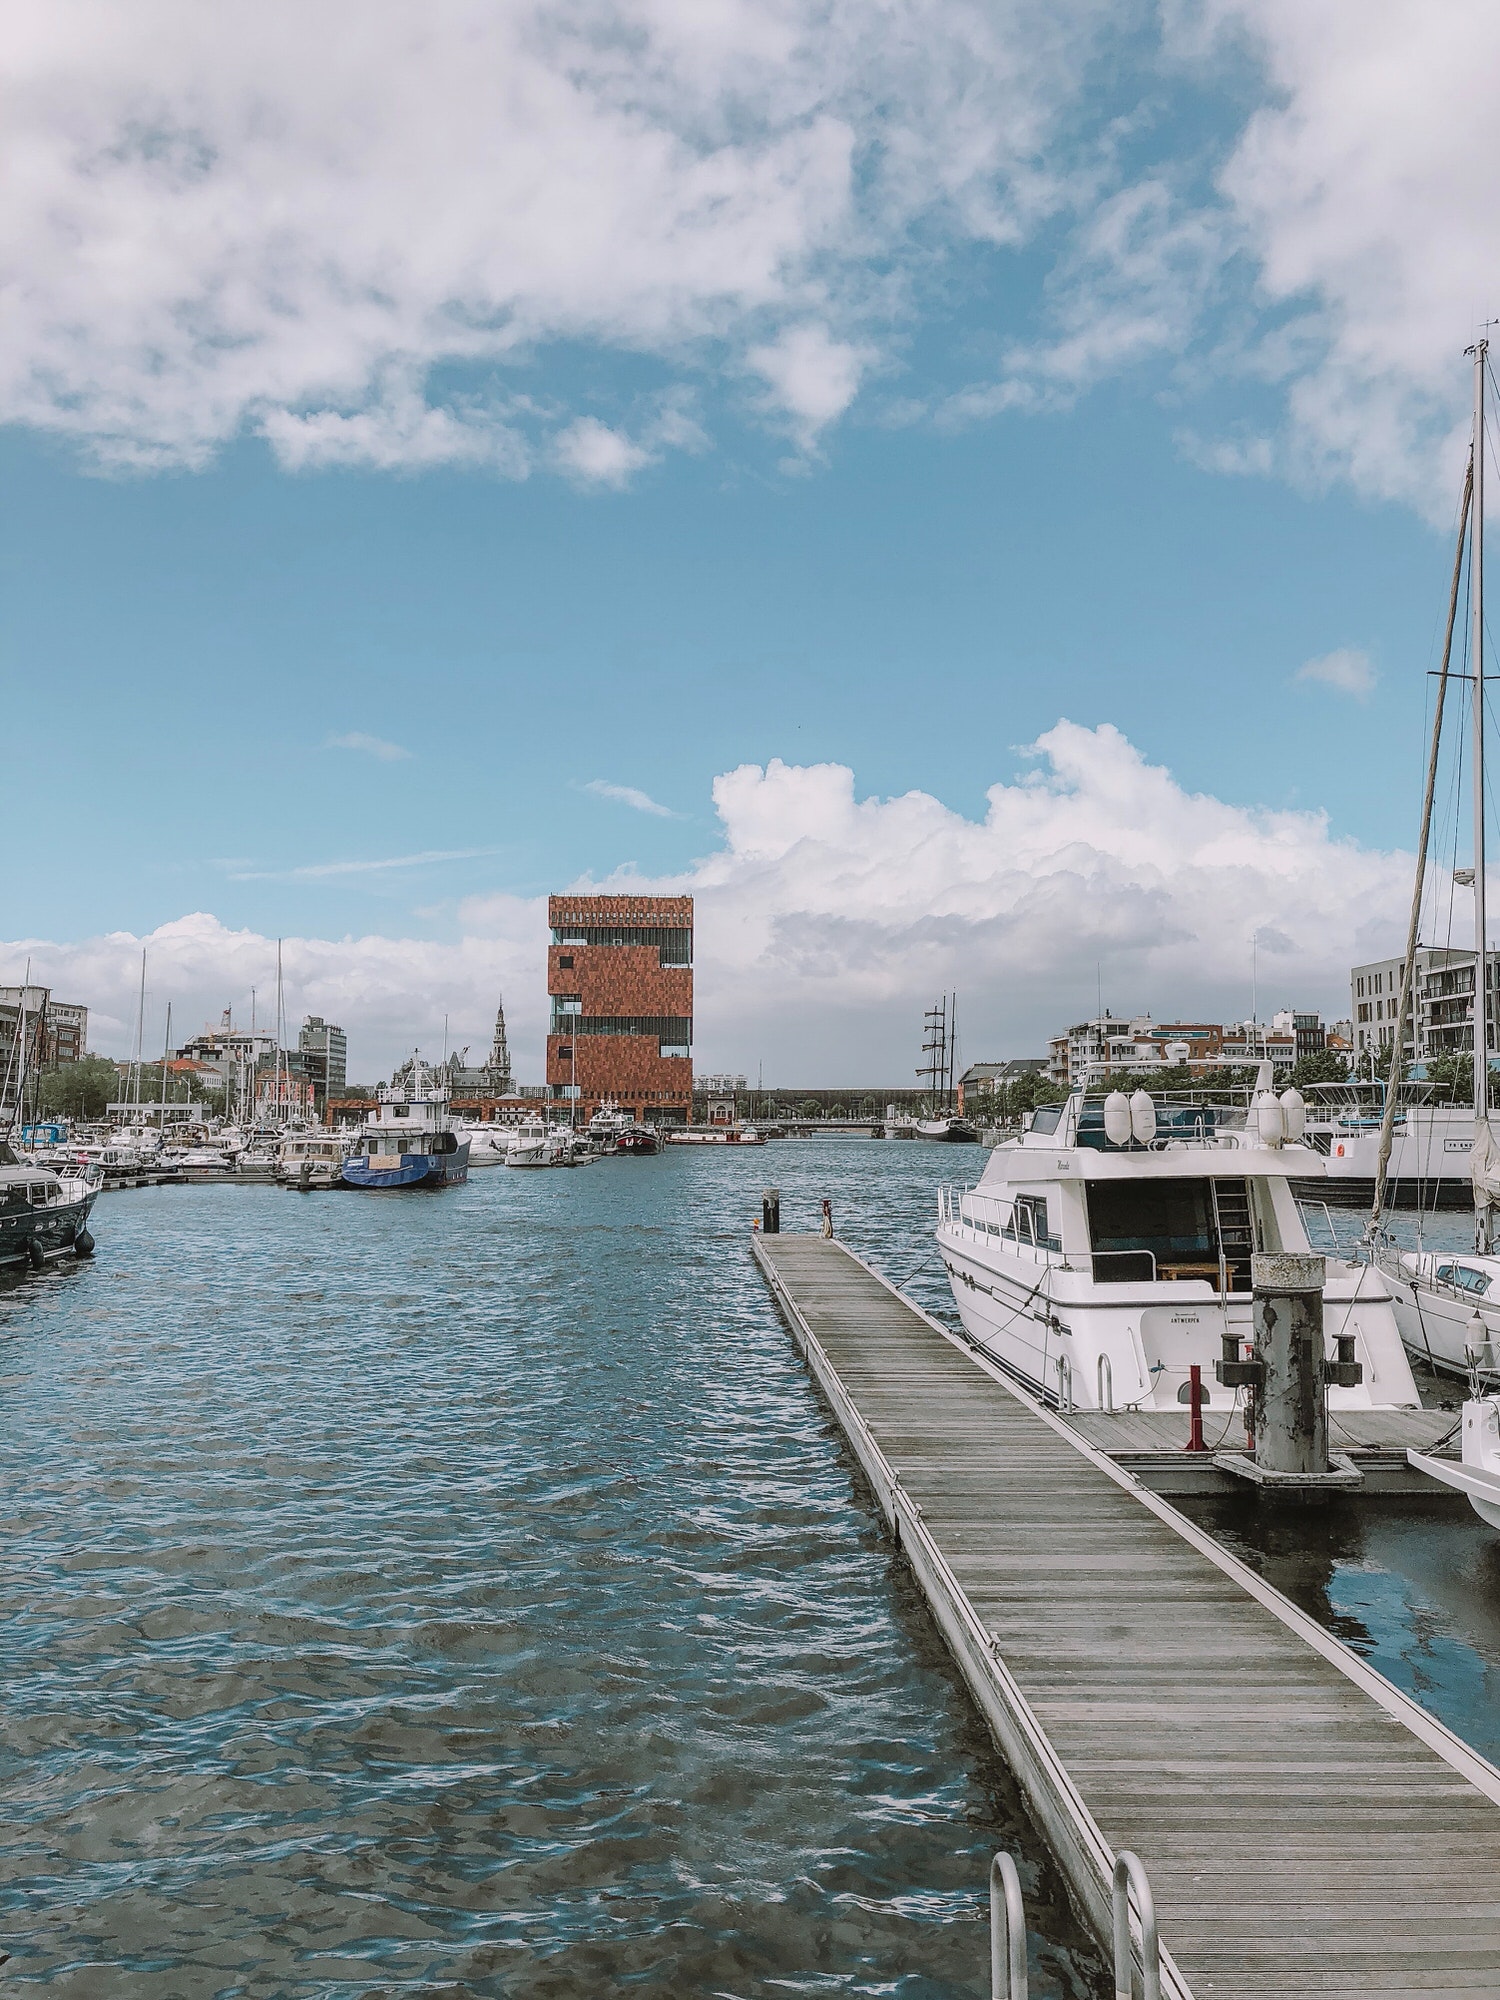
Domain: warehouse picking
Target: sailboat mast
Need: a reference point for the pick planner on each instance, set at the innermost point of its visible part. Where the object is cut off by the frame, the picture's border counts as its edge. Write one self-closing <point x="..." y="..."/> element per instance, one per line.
<point x="1476" y="646"/>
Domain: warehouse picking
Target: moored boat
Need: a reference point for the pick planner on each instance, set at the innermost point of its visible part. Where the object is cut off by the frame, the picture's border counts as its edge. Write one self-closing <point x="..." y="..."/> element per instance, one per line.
<point x="43" y="1215"/>
<point x="1107" y="1252"/>
<point x="408" y="1141"/>
<point x="312" y="1160"/>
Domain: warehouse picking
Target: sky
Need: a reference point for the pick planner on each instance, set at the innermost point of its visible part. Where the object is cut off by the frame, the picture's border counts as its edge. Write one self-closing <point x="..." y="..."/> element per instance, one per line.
<point x="967" y="491"/>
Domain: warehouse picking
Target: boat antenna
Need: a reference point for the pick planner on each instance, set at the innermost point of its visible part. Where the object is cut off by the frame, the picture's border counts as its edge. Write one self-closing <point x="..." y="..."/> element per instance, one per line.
<point x="166" y="1050"/>
<point x="1408" y="964"/>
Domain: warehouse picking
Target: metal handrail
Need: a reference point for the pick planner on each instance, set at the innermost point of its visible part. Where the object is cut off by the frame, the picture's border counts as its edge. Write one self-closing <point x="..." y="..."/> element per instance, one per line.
<point x="1095" y="1255"/>
<point x="1130" y="1875"/>
<point x="1007" y="1932"/>
<point x="1104" y="1384"/>
<point x="1064" y="1383"/>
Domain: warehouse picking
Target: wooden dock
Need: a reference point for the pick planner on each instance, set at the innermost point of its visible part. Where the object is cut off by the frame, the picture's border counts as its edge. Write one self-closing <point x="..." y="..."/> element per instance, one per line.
<point x="1307" y="1829"/>
<point x="1152" y="1444"/>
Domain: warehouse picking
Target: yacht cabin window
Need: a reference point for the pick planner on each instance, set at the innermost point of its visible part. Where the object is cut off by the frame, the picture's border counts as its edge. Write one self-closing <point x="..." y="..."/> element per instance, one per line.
<point x="1142" y="1231"/>
<point x="1463" y="1278"/>
<point x="1046" y="1117"/>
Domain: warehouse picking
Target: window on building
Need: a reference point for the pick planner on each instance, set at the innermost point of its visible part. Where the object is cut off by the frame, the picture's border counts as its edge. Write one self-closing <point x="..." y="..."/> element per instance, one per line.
<point x="565" y="965"/>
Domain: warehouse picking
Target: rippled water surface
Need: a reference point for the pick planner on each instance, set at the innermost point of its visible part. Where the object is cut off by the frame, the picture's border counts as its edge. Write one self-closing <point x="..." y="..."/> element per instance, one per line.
<point x="467" y="1594"/>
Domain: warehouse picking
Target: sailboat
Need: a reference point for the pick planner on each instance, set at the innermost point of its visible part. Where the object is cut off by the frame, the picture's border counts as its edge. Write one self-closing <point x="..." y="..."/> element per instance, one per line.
<point x="940" y="1046"/>
<point x="1447" y="1304"/>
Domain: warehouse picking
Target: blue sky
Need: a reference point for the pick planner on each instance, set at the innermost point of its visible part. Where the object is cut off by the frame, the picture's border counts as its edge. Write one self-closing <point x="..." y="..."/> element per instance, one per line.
<point x="1099" y="431"/>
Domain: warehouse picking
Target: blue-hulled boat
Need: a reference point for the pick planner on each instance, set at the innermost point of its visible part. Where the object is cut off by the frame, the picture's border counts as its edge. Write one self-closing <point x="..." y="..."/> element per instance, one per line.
<point x="408" y="1141"/>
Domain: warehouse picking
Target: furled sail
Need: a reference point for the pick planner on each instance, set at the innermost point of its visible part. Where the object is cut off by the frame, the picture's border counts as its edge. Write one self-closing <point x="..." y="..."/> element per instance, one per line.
<point x="1484" y="1165"/>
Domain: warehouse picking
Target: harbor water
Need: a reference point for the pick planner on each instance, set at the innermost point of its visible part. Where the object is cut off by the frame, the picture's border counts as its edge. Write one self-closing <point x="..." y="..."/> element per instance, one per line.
<point x="466" y="1593"/>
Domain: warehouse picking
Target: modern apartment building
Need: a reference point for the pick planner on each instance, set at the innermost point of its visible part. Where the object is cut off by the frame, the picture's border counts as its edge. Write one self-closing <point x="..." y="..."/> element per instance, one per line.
<point x="325" y="1051"/>
<point x="620" y="979"/>
<point x="1442" y="1005"/>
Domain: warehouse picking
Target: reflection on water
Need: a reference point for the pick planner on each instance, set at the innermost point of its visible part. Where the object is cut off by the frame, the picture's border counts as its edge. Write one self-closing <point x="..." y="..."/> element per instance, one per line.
<point x="466" y="1593"/>
<point x="1413" y="1585"/>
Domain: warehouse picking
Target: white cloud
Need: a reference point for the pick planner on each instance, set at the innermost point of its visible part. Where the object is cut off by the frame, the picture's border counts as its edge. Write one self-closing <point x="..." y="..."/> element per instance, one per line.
<point x="1375" y="241"/>
<point x="288" y="220"/>
<point x="826" y="922"/>
<point x="813" y="378"/>
<point x="628" y="795"/>
<point x="373" y="746"/>
<point x="597" y="455"/>
<point x="1347" y="669"/>
<point x="319" y="871"/>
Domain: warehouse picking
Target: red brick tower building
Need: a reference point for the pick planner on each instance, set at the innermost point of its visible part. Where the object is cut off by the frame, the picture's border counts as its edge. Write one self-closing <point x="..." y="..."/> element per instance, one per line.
<point x="620" y="976"/>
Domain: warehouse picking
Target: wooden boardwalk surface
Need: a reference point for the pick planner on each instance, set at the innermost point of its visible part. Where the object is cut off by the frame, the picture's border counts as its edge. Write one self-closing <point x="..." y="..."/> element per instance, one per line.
<point x="1307" y="1830"/>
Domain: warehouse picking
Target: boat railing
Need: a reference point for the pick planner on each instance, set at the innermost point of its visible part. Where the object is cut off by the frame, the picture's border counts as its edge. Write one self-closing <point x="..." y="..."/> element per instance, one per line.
<point x="1314" y="1207"/>
<point x="1098" y="1257"/>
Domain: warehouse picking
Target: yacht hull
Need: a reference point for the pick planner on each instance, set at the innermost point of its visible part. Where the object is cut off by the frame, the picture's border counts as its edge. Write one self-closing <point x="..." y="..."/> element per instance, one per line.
<point x="35" y="1236"/>
<point x="417" y="1170"/>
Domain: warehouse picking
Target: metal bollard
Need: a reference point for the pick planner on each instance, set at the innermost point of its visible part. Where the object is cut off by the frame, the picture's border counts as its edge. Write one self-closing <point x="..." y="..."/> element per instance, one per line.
<point x="1130" y="1875"/>
<point x="1007" y="1932"/>
<point x="770" y="1212"/>
<point x="827" y="1216"/>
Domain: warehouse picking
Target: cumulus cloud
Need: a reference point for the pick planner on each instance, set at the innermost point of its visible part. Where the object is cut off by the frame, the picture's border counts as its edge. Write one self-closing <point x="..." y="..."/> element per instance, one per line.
<point x="1353" y="192"/>
<point x="628" y="795"/>
<point x="311" y="223"/>
<point x="827" y="921"/>
<point x="1347" y="669"/>
<point x="597" y="455"/>
<point x="813" y="378"/>
<point x="372" y="746"/>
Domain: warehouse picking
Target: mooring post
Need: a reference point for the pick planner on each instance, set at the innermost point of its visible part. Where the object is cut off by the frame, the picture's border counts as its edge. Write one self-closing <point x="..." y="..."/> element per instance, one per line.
<point x="1292" y="1431"/>
<point x="1195" y="1408"/>
<point x="770" y="1212"/>
<point x="827" y="1216"/>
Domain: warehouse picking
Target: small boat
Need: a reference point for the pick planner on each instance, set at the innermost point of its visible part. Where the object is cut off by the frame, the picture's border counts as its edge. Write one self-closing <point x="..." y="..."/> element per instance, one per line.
<point x="489" y="1144"/>
<point x="408" y="1141"/>
<point x="532" y="1145"/>
<point x="1477" y="1473"/>
<point x="952" y="1131"/>
<point x="606" y="1126"/>
<point x="43" y="1215"/>
<point x="312" y="1160"/>
<point x="641" y="1139"/>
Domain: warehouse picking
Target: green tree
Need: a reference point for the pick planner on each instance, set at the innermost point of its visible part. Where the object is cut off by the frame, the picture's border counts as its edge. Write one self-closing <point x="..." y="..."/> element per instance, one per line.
<point x="1327" y="1066"/>
<point x="78" y="1090"/>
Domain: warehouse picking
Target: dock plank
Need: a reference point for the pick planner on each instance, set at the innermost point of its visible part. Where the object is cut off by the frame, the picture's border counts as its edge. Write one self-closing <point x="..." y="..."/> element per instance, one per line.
<point x="1292" y="1810"/>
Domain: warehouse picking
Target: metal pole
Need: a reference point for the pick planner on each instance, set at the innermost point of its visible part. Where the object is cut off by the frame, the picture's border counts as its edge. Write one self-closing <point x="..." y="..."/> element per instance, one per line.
<point x="1408" y="964"/>
<point x="1007" y="1932"/>
<point x="1476" y="645"/>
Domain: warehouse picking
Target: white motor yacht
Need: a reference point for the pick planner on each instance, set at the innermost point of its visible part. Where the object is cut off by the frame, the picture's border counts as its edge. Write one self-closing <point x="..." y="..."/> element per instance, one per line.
<point x="489" y="1144"/>
<point x="532" y="1146"/>
<point x="312" y="1159"/>
<point x="1107" y="1250"/>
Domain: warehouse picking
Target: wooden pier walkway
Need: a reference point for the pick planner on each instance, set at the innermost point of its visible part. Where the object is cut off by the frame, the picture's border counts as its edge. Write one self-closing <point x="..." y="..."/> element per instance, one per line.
<point x="1307" y="1829"/>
